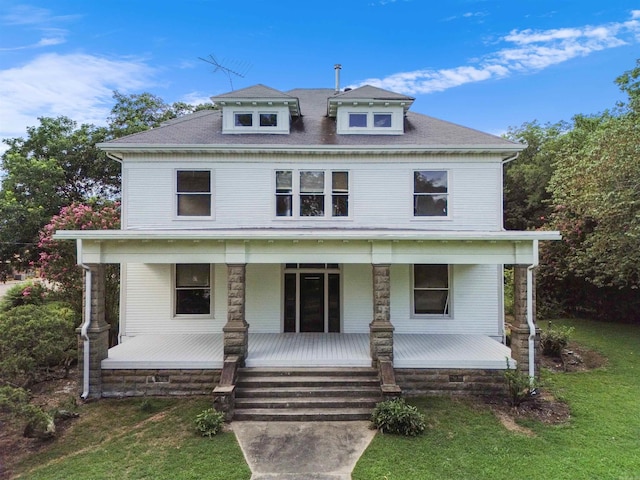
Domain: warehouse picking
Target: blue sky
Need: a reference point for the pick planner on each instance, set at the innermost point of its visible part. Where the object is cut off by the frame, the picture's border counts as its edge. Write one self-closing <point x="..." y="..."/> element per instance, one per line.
<point x="481" y="63"/>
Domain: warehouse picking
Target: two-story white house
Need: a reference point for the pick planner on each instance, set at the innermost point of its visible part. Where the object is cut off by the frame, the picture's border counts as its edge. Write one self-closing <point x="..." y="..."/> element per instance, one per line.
<point x="308" y="228"/>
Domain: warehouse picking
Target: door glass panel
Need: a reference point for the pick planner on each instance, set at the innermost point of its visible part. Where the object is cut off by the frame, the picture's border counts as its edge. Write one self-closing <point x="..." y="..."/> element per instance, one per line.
<point x="290" y="302"/>
<point x="334" y="302"/>
<point x="311" y="302"/>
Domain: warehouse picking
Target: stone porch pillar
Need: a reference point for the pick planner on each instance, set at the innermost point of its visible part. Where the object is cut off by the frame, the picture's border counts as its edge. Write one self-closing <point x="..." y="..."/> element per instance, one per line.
<point x="97" y="333"/>
<point x="520" y="330"/>
<point x="381" y="329"/>
<point x="236" y="331"/>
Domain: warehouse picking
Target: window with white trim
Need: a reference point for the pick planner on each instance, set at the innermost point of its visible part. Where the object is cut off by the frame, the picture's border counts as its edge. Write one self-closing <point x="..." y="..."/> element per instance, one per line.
<point x="430" y="193"/>
<point x="312" y="193"/>
<point x="192" y="289"/>
<point x="193" y="193"/>
<point x="431" y="289"/>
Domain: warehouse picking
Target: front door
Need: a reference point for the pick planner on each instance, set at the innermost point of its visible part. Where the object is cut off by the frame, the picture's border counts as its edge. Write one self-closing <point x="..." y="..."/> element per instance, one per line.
<point x="311" y="298"/>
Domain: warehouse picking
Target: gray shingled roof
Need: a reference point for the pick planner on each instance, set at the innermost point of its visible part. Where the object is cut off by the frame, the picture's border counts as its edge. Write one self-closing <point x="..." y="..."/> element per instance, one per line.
<point x="256" y="91"/>
<point x="312" y="129"/>
<point x="368" y="91"/>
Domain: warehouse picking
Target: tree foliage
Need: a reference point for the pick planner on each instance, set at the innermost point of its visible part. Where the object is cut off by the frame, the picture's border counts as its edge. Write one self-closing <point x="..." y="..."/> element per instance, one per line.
<point x="526" y="197"/>
<point x="57" y="259"/>
<point x="56" y="164"/>
<point x="596" y="198"/>
<point x="34" y="340"/>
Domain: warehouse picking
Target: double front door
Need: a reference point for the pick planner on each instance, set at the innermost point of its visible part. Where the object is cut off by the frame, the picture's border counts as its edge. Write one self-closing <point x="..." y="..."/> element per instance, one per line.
<point x="311" y="297"/>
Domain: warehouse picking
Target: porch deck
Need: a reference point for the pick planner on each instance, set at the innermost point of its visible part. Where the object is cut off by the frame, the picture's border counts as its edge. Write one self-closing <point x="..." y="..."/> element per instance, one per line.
<point x="308" y="350"/>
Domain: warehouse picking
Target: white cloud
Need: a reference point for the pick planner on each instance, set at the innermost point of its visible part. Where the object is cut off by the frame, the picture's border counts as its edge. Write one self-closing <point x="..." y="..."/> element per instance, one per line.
<point x="529" y="51"/>
<point x="79" y="86"/>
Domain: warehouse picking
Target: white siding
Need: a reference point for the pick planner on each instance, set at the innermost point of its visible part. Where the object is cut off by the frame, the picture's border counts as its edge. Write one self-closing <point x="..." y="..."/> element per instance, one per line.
<point x="474" y="296"/>
<point x="264" y="298"/>
<point x="381" y="191"/>
<point x="149" y="301"/>
<point x="357" y="298"/>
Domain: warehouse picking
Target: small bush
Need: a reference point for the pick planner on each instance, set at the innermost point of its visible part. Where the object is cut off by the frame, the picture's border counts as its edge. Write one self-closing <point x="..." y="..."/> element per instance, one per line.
<point x="519" y="386"/>
<point x="39" y="424"/>
<point x="209" y="422"/>
<point x="26" y="293"/>
<point x="395" y="416"/>
<point x="554" y="340"/>
<point x="35" y="341"/>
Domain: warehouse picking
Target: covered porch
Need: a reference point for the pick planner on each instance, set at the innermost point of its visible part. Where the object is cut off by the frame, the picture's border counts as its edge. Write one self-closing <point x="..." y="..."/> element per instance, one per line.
<point x="163" y="352"/>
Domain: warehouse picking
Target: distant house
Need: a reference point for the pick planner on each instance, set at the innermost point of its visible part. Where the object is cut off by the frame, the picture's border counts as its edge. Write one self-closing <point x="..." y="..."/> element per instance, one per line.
<point x="309" y="228"/>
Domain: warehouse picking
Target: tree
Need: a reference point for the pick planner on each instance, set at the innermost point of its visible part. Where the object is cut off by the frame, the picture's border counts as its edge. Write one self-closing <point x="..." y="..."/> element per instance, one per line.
<point x="55" y="165"/>
<point x="139" y="112"/>
<point x="57" y="259"/>
<point x="596" y="196"/>
<point x="526" y="196"/>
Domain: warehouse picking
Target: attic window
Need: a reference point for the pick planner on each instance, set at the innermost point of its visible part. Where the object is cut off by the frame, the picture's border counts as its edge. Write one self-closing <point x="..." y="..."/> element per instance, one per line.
<point x="382" y="120"/>
<point x="268" y="119"/>
<point x="244" y="119"/>
<point x="358" y="120"/>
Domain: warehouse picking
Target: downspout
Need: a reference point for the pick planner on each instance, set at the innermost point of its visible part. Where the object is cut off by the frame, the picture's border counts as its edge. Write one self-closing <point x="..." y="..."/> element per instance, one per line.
<point x="84" y="329"/>
<point x="506" y="160"/>
<point x="532" y="326"/>
<point x="114" y="157"/>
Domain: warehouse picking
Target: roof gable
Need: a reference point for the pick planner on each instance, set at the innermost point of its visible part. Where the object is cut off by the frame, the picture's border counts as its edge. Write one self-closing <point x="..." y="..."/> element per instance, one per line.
<point x="259" y="94"/>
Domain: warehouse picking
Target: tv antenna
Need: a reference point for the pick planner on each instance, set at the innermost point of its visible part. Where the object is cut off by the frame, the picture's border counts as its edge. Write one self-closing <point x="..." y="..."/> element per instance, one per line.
<point x="233" y="68"/>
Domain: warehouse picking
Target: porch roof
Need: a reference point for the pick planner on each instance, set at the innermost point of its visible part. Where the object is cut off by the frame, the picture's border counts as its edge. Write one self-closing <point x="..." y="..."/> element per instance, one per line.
<point x="308" y="350"/>
<point x="307" y="245"/>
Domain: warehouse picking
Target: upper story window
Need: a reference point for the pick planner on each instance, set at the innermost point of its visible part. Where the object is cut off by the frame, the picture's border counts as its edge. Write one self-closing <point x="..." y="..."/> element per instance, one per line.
<point x="243" y="119"/>
<point x="431" y="289"/>
<point x="382" y="120"/>
<point x="369" y="120"/>
<point x="193" y="289"/>
<point x="193" y="192"/>
<point x="357" y="120"/>
<point x="256" y="120"/>
<point x="268" y="119"/>
<point x="312" y="193"/>
<point x="430" y="193"/>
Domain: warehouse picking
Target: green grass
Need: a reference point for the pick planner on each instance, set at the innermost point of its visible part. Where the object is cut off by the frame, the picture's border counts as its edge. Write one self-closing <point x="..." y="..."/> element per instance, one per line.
<point x="464" y="441"/>
<point x="115" y="439"/>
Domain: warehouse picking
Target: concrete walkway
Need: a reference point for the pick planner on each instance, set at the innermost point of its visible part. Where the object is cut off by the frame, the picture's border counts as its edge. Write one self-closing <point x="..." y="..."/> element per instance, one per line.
<point x="302" y="450"/>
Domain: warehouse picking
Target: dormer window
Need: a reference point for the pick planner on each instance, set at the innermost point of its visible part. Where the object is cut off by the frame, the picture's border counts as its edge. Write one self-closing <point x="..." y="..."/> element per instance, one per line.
<point x="255" y="119"/>
<point x="268" y="119"/>
<point x="357" y="120"/>
<point x="372" y="120"/>
<point x="243" y="119"/>
<point x="382" y="120"/>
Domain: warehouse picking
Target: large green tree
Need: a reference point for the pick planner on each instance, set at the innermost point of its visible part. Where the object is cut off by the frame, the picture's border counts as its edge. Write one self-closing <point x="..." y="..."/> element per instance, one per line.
<point x="595" y="192"/>
<point x="56" y="164"/>
<point x="527" y="200"/>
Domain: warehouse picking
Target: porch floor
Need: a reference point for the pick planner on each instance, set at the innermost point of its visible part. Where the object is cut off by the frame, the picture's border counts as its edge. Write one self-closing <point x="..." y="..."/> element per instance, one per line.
<point x="307" y="350"/>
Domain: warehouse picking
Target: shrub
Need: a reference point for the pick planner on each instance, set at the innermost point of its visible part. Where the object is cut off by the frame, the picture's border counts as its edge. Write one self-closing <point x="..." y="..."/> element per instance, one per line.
<point x="26" y="293"/>
<point x="40" y="424"/>
<point x="35" y="341"/>
<point x="554" y="340"/>
<point x="395" y="416"/>
<point x="209" y="422"/>
<point x="520" y="387"/>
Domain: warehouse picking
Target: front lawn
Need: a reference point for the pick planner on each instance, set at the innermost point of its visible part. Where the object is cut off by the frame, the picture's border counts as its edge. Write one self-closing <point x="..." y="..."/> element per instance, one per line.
<point x="465" y="440"/>
<point x="117" y="439"/>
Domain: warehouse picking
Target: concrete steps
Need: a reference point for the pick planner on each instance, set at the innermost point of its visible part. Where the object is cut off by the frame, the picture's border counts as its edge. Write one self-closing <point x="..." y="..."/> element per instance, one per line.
<point x="306" y="394"/>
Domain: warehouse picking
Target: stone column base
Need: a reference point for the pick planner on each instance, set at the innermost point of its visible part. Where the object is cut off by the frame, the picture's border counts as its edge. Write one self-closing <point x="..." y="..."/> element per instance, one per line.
<point x="236" y="340"/>
<point x="520" y="348"/>
<point x="381" y="342"/>
<point x="98" y="351"/>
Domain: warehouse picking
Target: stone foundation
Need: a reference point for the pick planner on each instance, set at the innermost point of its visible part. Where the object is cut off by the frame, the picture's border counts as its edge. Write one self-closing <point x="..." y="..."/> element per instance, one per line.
<point x="150" y="382"/>
<point x="448" y="381"/>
